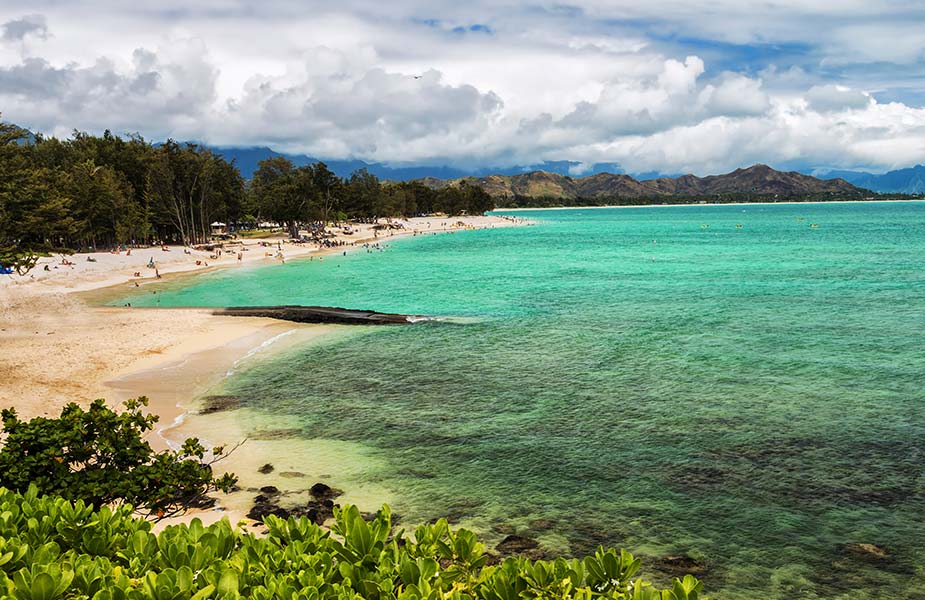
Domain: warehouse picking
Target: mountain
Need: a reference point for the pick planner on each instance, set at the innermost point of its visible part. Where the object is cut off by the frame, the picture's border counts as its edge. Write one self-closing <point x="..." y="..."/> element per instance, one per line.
<point x="246" y="159"/>
<point x="757" y="180"/>
<point x="901" y="181"/>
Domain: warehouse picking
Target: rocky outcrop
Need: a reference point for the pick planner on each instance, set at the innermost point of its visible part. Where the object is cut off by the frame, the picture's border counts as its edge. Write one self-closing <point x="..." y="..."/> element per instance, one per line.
<point x="318" y="510"/>
<point x="318" y="314"/>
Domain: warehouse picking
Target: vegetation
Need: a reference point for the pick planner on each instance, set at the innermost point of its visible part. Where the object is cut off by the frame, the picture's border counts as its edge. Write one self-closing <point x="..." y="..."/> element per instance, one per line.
<point x="91" y="192"/>
<point x="51" y="549"/>
<point x="99" y="457"/>
<point x="291" y="195"/>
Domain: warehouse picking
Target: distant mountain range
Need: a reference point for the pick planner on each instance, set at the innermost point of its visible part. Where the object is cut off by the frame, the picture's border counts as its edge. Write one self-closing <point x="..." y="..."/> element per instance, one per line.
<point x="902" y="181"/>
<point x="598" y="180"/>
<point x="758" y="180"/>
<point x="247" y="160"/>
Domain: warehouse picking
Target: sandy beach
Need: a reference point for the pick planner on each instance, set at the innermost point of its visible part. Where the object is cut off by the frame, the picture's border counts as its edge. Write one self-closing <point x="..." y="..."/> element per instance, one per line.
<point x="57" y="346"/>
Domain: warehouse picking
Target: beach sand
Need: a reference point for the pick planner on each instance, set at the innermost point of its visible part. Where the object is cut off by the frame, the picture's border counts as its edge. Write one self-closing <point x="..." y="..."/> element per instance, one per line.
<point x="57" y="347"/>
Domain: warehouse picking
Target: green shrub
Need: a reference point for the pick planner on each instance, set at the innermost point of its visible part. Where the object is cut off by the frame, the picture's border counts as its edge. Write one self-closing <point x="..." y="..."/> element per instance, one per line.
<point x="100" y="457"/>
<point x="53" y="549"/>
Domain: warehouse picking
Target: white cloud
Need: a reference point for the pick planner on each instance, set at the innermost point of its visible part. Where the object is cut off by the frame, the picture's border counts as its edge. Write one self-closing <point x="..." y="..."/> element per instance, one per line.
<point x="824" y="98"/>
<point x="409" y="81"/>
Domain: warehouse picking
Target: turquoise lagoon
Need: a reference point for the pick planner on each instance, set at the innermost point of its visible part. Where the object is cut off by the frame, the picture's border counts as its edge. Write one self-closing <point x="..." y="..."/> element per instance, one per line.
<point x="722" y="382"/>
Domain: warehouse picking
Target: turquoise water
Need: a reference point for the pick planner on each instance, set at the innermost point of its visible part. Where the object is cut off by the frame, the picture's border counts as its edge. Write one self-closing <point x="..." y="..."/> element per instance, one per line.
<point x="751" y="397"/>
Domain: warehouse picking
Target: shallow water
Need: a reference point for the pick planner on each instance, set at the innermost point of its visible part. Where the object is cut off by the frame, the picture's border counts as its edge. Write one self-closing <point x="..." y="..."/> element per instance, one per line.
<point x="751" y="397"/>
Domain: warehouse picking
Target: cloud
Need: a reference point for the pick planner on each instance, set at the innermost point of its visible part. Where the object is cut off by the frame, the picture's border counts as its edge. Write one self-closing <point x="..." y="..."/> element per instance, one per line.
<point x="825" y="98"/>
<point x="163" y="93"/>
<point x="666" y="85"/>
<point x="735" y="95"/>
<point x="17" y="30"/>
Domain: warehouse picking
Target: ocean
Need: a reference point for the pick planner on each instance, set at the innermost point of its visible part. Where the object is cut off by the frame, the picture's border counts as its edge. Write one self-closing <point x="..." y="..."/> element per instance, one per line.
<point x="738" y="385"/>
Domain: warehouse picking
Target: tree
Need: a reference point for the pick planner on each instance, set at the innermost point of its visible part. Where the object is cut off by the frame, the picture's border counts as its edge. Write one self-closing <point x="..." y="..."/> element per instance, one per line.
<point x="100" y="456"/>
<point x="329" y="190"/>
<point x="34" y="215"/>
<point x="102" y="205"/>
<point x="363" y="196"/>
<point x="286" y="194"/>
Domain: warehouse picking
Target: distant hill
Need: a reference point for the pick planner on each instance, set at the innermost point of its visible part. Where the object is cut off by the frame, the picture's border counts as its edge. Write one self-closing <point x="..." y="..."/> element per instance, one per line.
<point x="247" y="159"/>
<point x="758" y="180"/>
<point x="901" y="181"/>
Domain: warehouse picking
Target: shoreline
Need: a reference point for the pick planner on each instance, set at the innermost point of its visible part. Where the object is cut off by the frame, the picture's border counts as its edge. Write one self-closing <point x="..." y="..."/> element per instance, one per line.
<point x="526" y="209"/>
<point x="172" y="355"/>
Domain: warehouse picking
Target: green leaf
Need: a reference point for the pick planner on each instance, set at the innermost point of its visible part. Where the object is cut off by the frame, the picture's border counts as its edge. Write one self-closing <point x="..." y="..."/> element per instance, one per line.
<point x="203" y="593"/>
<point x="43" y="587"/>
<point x="228" y="583"/>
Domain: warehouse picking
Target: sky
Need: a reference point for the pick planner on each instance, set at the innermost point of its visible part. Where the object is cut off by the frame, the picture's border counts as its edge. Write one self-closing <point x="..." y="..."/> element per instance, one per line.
<point x="668" y="86"/>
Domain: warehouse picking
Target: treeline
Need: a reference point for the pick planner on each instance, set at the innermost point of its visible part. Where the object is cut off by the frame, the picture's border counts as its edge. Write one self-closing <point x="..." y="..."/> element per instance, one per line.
<point x="90" y="192"/>
<point x="290" y="195"/>
<point x="518" y="201"/>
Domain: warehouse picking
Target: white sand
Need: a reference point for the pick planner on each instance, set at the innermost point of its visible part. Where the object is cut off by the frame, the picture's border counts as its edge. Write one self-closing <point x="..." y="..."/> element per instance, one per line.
<point x="55" y="348"/>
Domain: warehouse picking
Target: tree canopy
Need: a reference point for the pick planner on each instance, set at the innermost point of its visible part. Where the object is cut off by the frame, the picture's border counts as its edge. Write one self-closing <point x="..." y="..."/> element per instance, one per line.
<point x="89" y="192"/>
<point x="99" y="456"/>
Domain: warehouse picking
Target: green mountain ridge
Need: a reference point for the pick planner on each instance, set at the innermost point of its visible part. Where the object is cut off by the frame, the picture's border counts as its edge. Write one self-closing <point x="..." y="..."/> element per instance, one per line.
<point x="757" y="180"/>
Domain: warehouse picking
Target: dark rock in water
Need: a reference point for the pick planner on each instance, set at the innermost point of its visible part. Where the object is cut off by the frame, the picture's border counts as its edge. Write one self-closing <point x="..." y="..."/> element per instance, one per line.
<point x="267" y="468"/>
<point x="314" y="511"/>
<point x="504" y="528"/>
<point x="263" y="505"/>
<point x="314" y="515"/>
<point x="323" y="491"/>
<point x="516" y="544"/>
<point x="681" y="565"/>
<point x="865" y="551"/>
<point x="317" y="314"/>
<point x="291" y="474"/>
<point x="319" y="490"/>
<point x="214" y="404"/>
<point x="318" y="510"/>
<point x="260" y="511"/>
<point x="586" y="537"/>
<point x="542" y="524"/>
<point x="275" y="434"/>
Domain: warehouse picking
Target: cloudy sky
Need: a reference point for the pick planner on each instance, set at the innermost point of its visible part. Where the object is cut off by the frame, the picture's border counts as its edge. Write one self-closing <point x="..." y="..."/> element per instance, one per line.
<point x="663" y="85"/>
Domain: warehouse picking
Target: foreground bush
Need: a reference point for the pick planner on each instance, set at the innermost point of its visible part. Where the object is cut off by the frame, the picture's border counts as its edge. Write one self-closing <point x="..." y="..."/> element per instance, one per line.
<point x="51" y="548"/>
<point x="101" y="457"/>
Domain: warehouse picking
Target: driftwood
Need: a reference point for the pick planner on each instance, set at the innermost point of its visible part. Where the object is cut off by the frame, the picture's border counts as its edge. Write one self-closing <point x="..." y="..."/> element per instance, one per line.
<point x="318" y="314"/>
